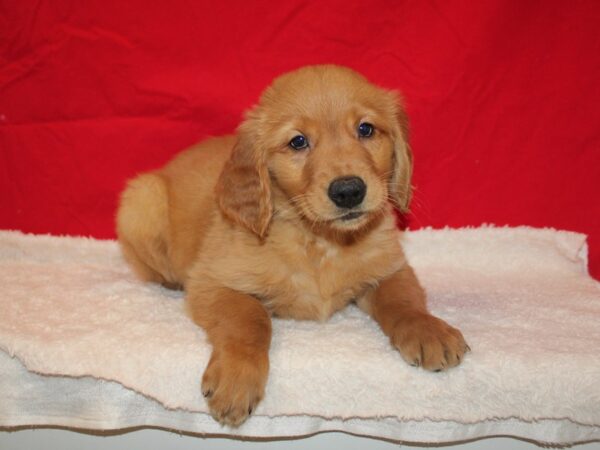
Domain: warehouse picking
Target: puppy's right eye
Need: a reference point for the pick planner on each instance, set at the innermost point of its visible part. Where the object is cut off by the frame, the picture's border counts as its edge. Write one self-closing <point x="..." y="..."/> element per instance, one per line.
<point x="299" y="142"/>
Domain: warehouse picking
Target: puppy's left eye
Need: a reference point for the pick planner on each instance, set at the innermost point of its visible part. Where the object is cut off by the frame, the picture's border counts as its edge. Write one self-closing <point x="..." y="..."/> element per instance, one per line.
<point x="299" y="142"/>
<point x="365" y="129"/>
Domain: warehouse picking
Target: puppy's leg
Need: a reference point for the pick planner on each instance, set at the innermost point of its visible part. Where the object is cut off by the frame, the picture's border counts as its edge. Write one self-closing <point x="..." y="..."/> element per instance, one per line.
<point x="143" y="226"/>
<point x="398" y="305"/>
<point x="239" y="328"/>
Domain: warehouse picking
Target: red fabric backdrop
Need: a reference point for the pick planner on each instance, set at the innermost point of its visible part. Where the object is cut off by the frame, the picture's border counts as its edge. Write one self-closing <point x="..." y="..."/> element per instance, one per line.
<point x="504" y="98"/>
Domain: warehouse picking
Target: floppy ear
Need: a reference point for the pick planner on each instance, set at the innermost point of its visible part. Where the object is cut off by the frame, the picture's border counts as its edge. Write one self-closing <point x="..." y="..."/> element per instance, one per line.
<point x="400" y="187"/>
<point x="243" y="189"/>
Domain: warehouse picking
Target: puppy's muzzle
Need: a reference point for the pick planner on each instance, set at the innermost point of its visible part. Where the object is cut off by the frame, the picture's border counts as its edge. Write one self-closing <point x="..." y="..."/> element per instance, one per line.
<point x="347" y="192"/>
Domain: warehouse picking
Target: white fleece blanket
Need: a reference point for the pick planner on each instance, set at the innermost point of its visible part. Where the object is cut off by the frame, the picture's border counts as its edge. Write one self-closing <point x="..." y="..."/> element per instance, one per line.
<point x="522" y="297"/>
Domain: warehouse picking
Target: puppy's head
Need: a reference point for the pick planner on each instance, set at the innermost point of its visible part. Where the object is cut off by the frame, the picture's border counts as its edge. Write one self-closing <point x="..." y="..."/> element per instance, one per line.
<point x="324" y="143"/>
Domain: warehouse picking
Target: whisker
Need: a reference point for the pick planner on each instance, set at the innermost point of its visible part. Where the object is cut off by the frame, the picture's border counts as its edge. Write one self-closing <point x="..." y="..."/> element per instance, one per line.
<point x="292" y="206"/>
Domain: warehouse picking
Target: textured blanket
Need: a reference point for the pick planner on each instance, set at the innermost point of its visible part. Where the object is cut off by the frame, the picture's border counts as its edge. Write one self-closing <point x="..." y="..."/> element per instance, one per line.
<point x="521" y="296"/>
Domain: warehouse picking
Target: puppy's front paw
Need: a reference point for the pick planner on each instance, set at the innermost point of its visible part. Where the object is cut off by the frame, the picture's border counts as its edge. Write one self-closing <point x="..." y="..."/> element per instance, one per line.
<point x="233" y="385"/>
<point x="426" y="341"/>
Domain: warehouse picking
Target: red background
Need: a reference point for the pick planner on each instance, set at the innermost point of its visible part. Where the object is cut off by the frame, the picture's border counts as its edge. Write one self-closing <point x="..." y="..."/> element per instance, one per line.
<point x="503" y="96"/>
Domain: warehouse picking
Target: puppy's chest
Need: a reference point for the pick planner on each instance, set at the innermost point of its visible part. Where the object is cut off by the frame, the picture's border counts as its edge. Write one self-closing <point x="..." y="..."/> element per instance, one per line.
<point x="314" y="278"/>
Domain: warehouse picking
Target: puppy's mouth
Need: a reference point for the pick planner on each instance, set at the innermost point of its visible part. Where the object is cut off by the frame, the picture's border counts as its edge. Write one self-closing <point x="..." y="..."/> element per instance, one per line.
<point x="350" y="219"/>
<point x="351" y="216"/>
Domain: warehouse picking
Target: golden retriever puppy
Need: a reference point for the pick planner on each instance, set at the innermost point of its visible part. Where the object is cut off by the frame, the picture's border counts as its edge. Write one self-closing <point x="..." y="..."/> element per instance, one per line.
<point x="291" y="217"/>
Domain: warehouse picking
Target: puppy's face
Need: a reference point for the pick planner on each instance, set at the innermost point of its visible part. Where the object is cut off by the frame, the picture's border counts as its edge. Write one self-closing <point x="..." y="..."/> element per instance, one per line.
<point x="332" y="146"/>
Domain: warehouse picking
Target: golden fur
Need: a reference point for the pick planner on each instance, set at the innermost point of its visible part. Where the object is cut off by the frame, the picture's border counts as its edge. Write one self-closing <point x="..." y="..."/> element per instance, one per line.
<point x="244" y="223"/>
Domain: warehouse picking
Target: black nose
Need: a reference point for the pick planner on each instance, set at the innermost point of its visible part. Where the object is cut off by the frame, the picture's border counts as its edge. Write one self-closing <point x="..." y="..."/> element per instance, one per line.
<point x="347" y="192"/>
